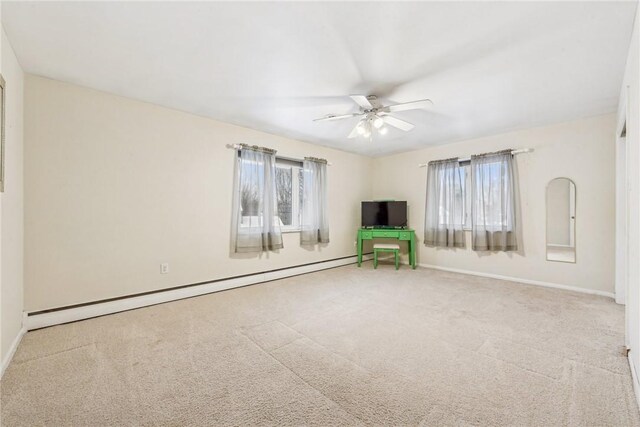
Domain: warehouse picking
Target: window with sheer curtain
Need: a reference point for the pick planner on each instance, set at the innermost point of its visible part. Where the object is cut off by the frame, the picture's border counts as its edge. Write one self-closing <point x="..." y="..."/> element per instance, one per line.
<point x="445" y="206"/>
<point x="479" y="196"/>
<point x="255" y="221"/>
<point x="493" y="202"/>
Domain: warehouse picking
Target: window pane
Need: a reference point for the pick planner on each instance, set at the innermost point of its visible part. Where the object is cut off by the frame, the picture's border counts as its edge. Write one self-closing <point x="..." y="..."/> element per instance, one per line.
<point x="451" y="212"/>
<point x="491" y="211"/>
<point x="284" y="194"/>
<point x="249" y="200"/>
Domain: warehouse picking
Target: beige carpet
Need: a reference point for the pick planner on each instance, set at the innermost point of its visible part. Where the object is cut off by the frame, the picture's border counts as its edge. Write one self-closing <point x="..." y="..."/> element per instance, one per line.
<point x="346" y="346"/>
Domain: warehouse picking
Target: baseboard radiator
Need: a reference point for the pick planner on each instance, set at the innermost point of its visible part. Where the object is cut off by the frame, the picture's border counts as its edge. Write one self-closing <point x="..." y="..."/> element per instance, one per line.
<point x="43" y="319"/>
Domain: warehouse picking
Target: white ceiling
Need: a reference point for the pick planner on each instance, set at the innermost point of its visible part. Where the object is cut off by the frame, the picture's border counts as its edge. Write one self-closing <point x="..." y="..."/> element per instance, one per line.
<point x="488" y="66"/>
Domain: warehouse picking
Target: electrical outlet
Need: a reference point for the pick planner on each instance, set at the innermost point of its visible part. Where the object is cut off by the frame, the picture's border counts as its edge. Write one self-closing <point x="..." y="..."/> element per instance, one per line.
<point x="164" y="268"/>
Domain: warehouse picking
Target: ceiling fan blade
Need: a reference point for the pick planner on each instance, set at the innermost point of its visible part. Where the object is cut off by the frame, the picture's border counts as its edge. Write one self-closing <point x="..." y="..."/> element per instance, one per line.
<point x="354" y="132"/>
<point x="397" y="123"/>
<point x="362" y="101"/>
<point x="330" y="117"/>
<point x="413" y="105"/>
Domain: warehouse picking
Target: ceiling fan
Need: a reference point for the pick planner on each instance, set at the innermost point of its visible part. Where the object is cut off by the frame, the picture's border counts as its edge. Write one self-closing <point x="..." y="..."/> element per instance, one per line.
<point x="375" y="115"/>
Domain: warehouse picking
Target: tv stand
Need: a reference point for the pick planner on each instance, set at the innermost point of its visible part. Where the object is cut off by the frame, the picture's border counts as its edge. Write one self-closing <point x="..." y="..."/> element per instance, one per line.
<point x="405" y="234"/>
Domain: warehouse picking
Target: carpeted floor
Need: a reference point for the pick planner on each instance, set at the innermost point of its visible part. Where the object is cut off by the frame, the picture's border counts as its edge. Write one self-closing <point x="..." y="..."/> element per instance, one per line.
<point x="346" y="346"/>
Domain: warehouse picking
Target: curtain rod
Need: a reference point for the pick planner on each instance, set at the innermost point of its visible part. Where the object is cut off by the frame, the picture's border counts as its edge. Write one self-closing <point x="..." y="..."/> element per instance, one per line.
<point x="467" y="159"/>
<point x="239" y="146"/>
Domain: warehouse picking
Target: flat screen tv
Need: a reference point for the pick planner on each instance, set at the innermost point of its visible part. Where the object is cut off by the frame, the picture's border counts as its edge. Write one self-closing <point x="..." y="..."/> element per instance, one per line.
<point x="384" y="214"/>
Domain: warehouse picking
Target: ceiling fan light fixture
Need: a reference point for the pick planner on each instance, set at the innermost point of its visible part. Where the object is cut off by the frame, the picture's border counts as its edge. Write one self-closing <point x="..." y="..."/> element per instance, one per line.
<point x="375" y="117"/>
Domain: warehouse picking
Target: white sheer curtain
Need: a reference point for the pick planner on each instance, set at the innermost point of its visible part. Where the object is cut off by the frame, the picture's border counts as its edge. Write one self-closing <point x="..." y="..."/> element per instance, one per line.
<point x="444" y="217"/>
<point x="255" y="224"/>
<point x="493" y="202"/>
<point x="314" y="219"/>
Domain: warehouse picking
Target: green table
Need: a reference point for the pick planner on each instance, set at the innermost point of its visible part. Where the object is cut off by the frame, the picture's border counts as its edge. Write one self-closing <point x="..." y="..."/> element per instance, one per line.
<point x="405" y="234"/>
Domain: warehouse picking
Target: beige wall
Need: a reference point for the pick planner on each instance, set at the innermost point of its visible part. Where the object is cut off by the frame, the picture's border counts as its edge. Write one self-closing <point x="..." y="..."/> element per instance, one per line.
<point x="11" y="223"/>
<point x="582" y="150"/>
<point x="114" y="187"/>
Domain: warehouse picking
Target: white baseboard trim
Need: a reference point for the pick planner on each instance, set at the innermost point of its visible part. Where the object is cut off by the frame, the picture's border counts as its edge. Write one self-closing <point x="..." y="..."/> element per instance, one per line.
<point x="634" y="375"/>
<point x="521" y="280"/>
<point x="72" y="314"/>
<point x="12" y="350"/>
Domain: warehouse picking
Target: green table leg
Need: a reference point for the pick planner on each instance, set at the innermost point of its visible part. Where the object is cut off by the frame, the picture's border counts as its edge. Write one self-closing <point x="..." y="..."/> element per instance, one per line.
<point x="412" y="252"/>
<point x="359" y="249"/>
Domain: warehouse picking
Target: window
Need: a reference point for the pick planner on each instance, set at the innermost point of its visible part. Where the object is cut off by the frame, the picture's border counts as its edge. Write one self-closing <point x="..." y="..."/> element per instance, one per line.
<point x="493" y="199"/>
<point x="466" y="191"/>
<point x="289" y="193"/>
<point x="251" y="191"/>
<point x="451" y="200"/>
<point x="445" y="207"/>
<point x="494" y="202"/>
<point x="463" y="194"/>
<point x="288" y="179"/>
<point x="255" y="224"/>
<point x="461" y="179"/>
<point x="479" y="195"/>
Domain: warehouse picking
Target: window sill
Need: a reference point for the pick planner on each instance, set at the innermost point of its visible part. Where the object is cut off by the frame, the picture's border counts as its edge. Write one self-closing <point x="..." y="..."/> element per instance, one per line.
<point x="290" y="230"/>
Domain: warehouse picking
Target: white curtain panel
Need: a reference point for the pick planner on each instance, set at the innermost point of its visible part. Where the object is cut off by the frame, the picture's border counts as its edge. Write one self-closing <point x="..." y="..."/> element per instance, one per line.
<point x="444" y="218"/>
<point x="314" y="219"/>
<point x="493" y="202"/>
<point x="255" y="224"/>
